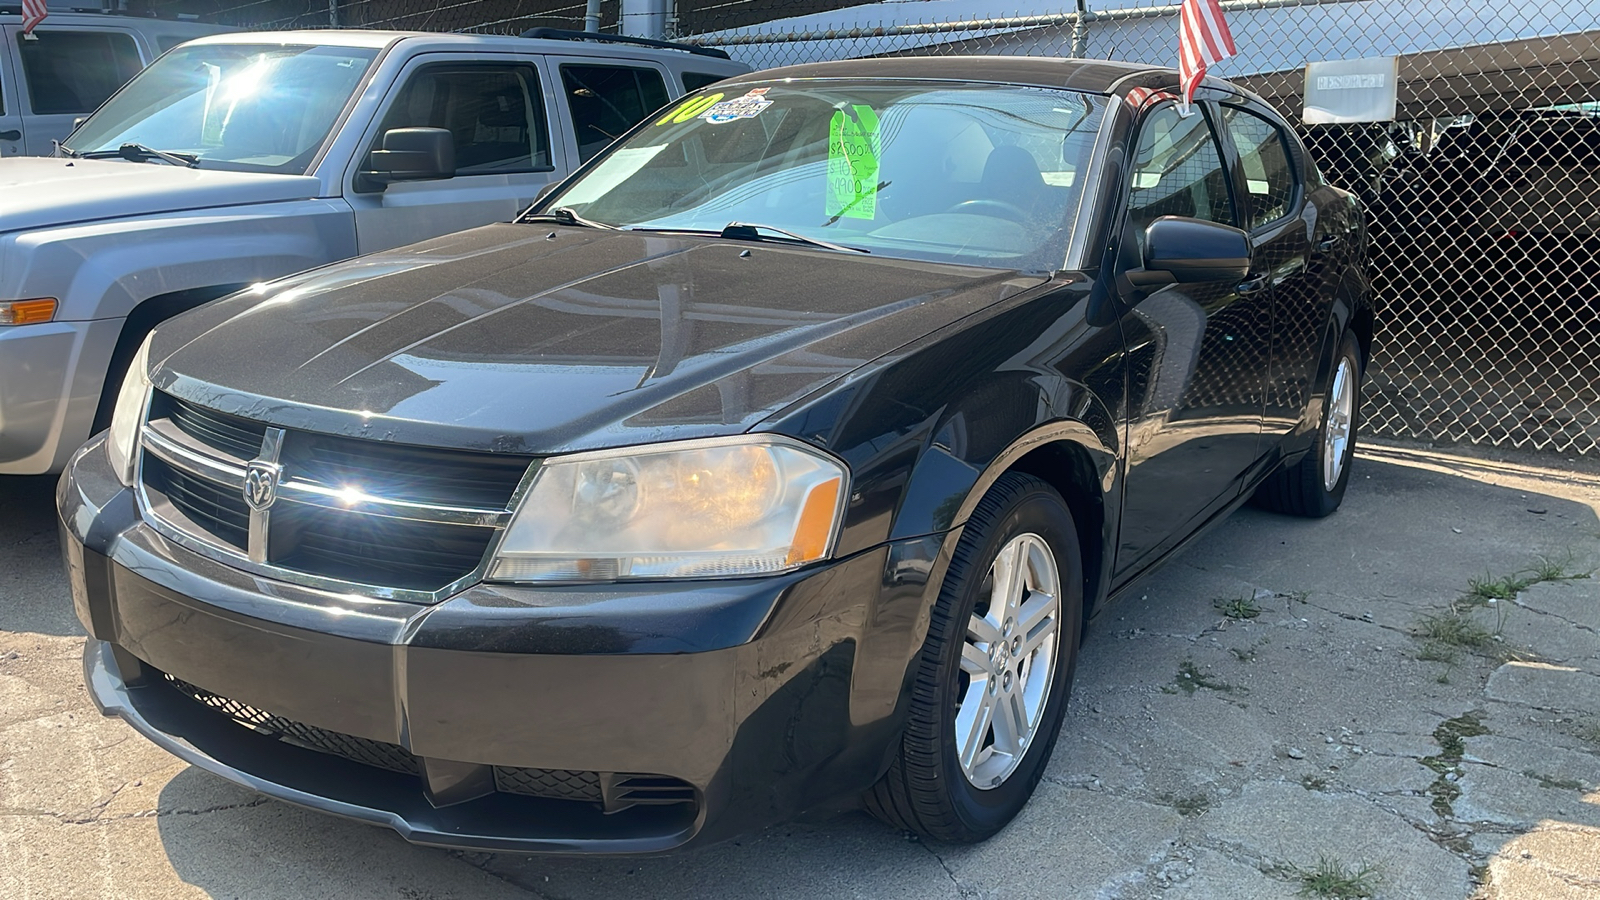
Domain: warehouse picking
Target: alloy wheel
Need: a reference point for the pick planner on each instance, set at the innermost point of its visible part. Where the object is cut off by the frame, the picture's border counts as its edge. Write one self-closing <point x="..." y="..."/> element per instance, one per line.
<point x="1341" y="418"/>
<point x="1008" y="661"/>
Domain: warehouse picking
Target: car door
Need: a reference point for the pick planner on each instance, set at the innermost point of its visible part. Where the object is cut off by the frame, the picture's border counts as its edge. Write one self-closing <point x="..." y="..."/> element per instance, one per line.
<point x="1197" y="353"/>
<point x="497" y="112"/>
<point x="65" y="73"/>
<point x="11" y="132"/>
<point x="1272" y="207"/>
<point x="606" y="97"/>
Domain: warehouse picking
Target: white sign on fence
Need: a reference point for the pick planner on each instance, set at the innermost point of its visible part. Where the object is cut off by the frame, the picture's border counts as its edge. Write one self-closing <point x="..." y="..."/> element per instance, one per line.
<point x="1351" y="90"/>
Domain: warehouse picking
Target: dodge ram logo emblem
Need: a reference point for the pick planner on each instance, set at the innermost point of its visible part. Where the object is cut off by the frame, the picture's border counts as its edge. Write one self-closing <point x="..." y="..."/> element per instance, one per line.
<point x="261" y="483"/>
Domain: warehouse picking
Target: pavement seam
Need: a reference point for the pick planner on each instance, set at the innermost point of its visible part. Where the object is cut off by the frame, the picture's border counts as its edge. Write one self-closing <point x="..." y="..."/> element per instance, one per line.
<point x="482" y="865"/>
<point x="91" y="815"/>
<point x="1557" y="616"/>
<point x="949" y="872"/>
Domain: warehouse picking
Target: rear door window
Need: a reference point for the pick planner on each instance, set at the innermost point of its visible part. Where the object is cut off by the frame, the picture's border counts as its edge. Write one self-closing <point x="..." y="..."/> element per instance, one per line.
<point x="606" y="101"/>
<point x="495" y="113"/>
<point x="73" y="72"/>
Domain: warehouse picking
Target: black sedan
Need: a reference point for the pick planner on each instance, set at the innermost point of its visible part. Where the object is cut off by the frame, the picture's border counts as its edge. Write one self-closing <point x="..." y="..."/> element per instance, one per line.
<point x="780" y="455"/>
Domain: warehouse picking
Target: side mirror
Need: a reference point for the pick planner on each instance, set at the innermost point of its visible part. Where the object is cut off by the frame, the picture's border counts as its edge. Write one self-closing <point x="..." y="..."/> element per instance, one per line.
<point x="1179" y="250"/>
<point x="410" y="154"/>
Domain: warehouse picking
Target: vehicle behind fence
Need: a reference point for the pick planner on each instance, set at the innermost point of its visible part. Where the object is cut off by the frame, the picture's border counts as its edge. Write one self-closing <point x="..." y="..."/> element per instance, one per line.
<point x="1483" y="194"/>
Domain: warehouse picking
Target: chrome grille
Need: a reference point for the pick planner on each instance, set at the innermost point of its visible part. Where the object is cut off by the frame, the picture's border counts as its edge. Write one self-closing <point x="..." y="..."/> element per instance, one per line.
<point x="394" y="520"/>
<point x="219" y="431"/>
<point x="217" y="512"/>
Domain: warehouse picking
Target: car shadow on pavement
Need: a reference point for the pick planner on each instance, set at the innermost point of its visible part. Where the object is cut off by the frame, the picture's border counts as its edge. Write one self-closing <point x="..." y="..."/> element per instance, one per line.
<point x="33" y="590"/>
<point x="1262" y="704"/>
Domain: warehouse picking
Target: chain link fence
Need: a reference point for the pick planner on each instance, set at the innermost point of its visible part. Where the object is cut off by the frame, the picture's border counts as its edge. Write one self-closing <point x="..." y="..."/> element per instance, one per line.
<point x="1483" y="197"/>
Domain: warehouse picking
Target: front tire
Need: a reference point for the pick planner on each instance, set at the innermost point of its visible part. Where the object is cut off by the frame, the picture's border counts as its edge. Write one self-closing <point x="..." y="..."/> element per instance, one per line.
<point x="992" y="681"/>
<point x="1314" y="487"/>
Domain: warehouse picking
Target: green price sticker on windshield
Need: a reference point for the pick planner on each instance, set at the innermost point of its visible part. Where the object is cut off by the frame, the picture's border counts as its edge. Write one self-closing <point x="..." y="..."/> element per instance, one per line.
<point x="853" y="148"/>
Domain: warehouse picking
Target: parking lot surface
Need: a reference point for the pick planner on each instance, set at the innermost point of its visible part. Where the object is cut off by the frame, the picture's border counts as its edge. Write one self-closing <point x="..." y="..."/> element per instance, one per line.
<point x="1288" y="705"/>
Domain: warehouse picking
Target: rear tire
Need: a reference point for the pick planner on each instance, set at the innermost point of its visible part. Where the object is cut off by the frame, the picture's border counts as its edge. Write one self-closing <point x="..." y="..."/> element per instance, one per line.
<point x="1314" y="487"/>
<point x="1021" y="675"/>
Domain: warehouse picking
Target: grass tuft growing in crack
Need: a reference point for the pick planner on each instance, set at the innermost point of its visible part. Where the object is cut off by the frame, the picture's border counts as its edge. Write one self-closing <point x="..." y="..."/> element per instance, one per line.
<point x="1480" y="591"/>
<point x="1453" y="630"/>
<point x="1237" y="607"/>
<point x="1314" y="783"/>
<point x="1333" y="880"/>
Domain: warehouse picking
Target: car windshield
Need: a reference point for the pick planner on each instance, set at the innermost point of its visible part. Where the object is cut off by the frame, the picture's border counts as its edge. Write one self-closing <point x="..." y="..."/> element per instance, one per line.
<point x="974" y="174"/>
<point x="258" y="108"/>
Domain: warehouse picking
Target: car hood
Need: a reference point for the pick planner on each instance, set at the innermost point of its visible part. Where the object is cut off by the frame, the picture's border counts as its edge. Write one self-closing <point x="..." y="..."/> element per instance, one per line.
<point x="541" y="339"/>
<point x="41" y="192"/>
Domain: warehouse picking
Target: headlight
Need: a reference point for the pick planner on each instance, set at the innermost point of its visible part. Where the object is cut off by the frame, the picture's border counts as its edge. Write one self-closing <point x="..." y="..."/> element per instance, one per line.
<point x="749" y="505"/>
<point x="123" y="438"/>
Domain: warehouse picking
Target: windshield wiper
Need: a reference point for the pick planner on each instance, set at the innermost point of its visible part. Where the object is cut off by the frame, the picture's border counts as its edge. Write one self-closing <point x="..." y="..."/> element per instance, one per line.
<point x="563" y="215"/>
<point x="141" y="153"/>
<point x="751" y="231"/>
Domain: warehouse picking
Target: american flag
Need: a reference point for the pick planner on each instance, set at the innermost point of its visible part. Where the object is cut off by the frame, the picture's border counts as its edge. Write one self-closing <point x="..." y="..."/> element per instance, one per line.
<point x="33" y="12"/>
<point x="1203" y="39"/>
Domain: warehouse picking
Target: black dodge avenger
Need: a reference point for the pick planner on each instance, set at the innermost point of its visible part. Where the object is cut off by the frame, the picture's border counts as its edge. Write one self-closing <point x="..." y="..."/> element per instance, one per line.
<point x="777" y="458"/>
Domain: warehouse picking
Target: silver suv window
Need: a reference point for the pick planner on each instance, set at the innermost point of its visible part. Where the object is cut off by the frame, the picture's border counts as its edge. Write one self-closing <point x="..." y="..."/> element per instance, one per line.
<point x="259" y="108"/>
<point x="495" y="113"/>
<point x="608" y="100"/>
<point x="72" y="72"/>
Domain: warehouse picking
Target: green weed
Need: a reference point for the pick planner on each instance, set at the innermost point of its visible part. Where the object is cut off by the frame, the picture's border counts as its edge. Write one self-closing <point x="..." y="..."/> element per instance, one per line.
<point x="1333" y="880"/>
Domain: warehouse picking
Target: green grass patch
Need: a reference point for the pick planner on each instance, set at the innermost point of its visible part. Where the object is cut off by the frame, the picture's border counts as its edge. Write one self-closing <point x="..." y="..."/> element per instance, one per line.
<point x="1189" y="805"/>
<point x="1237" y="607"/>
<point x="1191" y="679"/>
<point x="1451" y="736"/>
<point x="1333" y="880"/>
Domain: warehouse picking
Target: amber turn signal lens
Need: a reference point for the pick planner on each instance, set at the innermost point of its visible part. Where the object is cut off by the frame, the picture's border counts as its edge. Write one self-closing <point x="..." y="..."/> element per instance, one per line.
<point x="27" y="312"/>
<point x="816" y="523"/>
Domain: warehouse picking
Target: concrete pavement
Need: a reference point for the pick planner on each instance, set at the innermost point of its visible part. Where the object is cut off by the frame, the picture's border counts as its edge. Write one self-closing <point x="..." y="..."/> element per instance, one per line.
<point x="1285" y="696"/>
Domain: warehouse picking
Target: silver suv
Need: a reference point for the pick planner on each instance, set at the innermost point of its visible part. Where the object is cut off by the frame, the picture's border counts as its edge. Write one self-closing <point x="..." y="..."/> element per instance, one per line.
<point x="238" y="159"/>
<point x="69" y="64"/>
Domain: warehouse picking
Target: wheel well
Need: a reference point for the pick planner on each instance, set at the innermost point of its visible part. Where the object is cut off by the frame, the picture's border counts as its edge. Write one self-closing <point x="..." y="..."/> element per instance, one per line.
<point x="146" y="316"/>
<point x="1069" y="469"/>
<point x="1363" y="323"/>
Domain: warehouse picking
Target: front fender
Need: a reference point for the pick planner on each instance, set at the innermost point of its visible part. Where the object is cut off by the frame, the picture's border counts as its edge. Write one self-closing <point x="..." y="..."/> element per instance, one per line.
<point x="102" y="270"/>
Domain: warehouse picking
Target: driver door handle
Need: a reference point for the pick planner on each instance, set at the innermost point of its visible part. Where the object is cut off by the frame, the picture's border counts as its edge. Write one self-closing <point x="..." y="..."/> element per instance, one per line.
<point x="14" y="134"/>
<point x="1327" y="243"/>
<point x="1254" y="285"/>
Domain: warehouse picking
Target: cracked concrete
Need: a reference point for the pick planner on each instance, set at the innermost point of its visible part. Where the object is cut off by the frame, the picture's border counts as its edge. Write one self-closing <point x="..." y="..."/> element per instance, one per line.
<point x="1203" y="756"/>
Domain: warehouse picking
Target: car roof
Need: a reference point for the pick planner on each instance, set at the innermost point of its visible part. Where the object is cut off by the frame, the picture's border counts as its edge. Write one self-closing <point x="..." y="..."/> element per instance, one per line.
<point x="372" y="39"/>
<point x="1095" y="76"/>
<point x="11" y="15"/>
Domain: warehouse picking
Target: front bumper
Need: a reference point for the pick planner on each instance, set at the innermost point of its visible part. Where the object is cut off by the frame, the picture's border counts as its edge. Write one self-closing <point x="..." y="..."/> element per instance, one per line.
<point x="758" y="697"/>
<point x="50" y="380"/>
